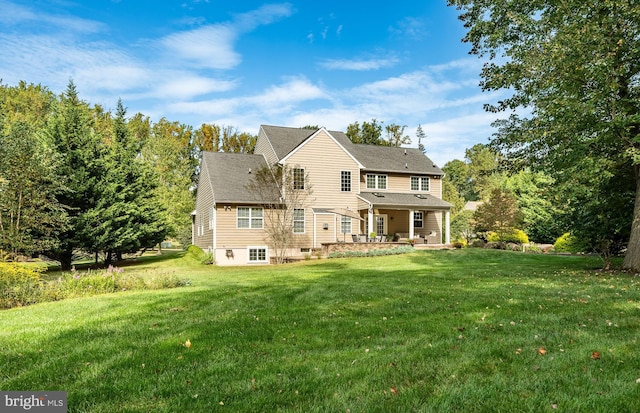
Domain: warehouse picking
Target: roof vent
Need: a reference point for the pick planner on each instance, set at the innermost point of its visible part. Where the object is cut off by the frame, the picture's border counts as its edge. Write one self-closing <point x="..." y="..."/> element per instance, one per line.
<point x="406" y="165"/>
<point x="378" y="194"/>
<point x="405" y="151"/>
<point x="420" y="196"/>
<point x="249" y="170"/>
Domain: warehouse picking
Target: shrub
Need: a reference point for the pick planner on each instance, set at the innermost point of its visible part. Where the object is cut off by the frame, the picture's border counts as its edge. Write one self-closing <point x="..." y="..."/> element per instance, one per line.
<point x="477" y="243"/>
<point x="569" y="243"/>
<point x="372" y="253"/>
<point x="199" y="255"/>
<point x="20" y="285"/>
<point x="516" y="236"/>
<point x="461" y="243"/>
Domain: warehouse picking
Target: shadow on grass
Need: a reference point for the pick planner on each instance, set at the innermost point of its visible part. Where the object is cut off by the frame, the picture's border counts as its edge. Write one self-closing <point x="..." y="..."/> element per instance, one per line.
<point x="326" y="336"/>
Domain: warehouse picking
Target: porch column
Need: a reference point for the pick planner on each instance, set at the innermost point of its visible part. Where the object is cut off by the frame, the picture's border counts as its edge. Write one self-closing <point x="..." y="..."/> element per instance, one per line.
<point x="370" y="221"/>
<point x="411" y="227"/>
<point x="447" y="227"/>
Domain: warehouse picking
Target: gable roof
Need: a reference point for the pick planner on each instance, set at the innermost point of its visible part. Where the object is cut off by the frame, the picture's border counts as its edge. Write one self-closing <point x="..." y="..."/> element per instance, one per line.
<point x="341" y="145"/>
<point x="284" y="140"/>
<point x="230" y="173"/>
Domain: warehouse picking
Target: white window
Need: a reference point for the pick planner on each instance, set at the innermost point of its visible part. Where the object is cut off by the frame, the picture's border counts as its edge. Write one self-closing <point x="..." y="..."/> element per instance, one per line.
<point x="419" y="183"/>
<point x="376" y="181"/>
<point x="298" y="221"/>
<point x="212" y="212"/>
<point x="257" y="254"/>
<point x="418" y="219"/>
<point x="345" y="225"/>
<point x="298" y="178"/>
<point x="248" y="217"/>
<point x="345" y="181"/>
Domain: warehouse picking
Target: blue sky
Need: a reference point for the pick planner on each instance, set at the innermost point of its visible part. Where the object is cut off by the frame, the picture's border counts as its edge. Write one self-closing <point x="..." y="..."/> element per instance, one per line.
<point x="247" y="63"/>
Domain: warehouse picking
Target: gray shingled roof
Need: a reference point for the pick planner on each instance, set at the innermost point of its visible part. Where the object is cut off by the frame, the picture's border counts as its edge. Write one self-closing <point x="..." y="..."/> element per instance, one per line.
<point x="392" y="200"/>
<point x="372" y="157"/>
<point x="229" y="175"/>
<point x="284" y="140"/>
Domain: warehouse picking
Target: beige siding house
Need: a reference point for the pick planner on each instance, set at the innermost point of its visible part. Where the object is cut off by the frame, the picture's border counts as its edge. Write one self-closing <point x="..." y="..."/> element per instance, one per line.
<point x="356" y="190"/>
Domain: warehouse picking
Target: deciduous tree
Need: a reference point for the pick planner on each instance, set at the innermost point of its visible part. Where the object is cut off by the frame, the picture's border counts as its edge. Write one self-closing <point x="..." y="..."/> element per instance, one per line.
<point x="574" y="66"/>
<point x="282" y="197"/>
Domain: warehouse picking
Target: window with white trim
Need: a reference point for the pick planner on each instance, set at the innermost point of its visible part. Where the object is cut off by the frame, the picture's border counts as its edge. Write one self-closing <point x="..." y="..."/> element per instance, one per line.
<point x="212" y="212"/>
<point x="345" y="181"/>
<point x="257" y="254"/>
<point x="418" y="219"/>
<point x="345" y="225"/>
<point x="298" y="221"/>
<point x="298" y="178"/>
<point x="249" y="217"/>
<point x="376" y="181"/>
<point x="419" y="183"/>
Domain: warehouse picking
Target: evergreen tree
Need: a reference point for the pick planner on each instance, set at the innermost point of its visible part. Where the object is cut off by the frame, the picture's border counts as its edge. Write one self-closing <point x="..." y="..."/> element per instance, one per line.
<point x="71" y="135"/>
<point x="127" y="216"/>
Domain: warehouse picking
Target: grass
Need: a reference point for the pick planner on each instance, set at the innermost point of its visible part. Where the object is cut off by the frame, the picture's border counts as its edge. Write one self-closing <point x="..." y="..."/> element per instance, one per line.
<point x="468" y="331"/>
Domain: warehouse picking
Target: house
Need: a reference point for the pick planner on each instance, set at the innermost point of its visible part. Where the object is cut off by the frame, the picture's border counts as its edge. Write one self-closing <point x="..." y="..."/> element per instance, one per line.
<point x="357" y="189"/>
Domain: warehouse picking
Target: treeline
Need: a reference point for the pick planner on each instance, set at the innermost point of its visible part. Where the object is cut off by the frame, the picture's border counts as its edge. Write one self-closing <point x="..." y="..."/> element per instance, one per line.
<point x="592" y="207"/>
<point x="75" y="178"/>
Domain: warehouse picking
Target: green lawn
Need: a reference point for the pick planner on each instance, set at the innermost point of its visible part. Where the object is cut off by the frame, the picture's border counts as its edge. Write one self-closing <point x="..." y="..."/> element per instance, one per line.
<point x="464" y="330"/>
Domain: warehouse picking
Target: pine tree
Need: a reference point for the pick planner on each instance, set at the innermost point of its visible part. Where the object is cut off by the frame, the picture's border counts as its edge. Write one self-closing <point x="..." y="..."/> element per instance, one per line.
<point x="71" y="136"/>
<point x="127" y="216"/>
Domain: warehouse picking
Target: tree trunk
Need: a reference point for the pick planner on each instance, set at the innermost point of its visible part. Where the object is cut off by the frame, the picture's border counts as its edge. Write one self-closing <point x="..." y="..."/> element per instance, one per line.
<point x="66" y="258"/>
<point x="632" y="257"/>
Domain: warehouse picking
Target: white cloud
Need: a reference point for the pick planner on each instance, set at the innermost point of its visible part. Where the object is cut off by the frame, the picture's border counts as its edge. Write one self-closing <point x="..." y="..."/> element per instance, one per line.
<point x="213" y="46"/>
<point x="358" y="64"/>
<point x="409" y="27"/>
<point x="14" y="14"/>
<point x="207" y="47"/>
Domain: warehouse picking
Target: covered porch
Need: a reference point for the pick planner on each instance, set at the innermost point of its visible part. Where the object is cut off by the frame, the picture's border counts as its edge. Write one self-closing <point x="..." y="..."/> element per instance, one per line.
<point x="422" y="218"/>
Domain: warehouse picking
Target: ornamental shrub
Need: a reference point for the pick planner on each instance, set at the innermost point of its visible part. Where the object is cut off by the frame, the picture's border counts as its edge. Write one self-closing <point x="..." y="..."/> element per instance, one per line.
<point x="569" y="243"/>
<point x="516" y="236"/>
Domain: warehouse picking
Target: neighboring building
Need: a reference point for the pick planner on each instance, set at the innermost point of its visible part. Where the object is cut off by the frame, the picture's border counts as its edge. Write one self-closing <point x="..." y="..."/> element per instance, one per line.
<point x="357" y="189"/>
<point x="472" y="205"/>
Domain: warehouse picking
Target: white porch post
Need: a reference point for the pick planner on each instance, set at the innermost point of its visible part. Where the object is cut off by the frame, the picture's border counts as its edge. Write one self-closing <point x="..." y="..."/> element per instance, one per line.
<point x="370" y="220"/>
<point x="447" y="227"/>
<point x="411" y="227"/>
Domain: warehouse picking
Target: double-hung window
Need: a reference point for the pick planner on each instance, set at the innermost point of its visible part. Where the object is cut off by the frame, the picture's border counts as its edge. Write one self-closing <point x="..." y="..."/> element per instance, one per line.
<point x="298" y="221"/>
<point x="250" y="217"/>
<point x="419" y="183"/>
<point x="376" y="181"/>
<point x="298" y="178"/>
<point x="418" y="219"/>
<point x="345" y="181"/>
<point x="345" y="225"/>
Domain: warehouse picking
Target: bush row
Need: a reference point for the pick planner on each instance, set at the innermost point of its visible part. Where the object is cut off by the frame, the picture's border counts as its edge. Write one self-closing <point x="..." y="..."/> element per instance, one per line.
<point x="371" y="253"/>
<point x="21" y="285"/>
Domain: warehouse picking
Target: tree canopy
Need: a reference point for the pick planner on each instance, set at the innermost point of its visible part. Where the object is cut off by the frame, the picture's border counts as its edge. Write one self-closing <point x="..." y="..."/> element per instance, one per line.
<point x="572" y="69"/>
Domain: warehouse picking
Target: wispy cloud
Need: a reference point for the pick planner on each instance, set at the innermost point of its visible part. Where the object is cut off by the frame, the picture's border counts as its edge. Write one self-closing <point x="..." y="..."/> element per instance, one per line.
<point x="15" y="14"/>
<point x="358" y="64"/>
<point x="207" y="47"/>
<point x="409" y="27"/>
<point x="213" y="46"/>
